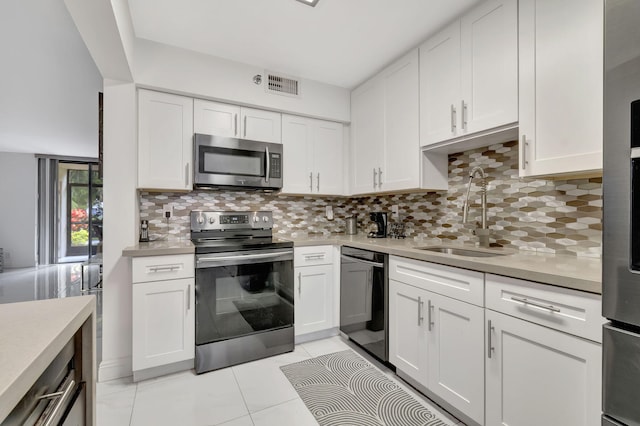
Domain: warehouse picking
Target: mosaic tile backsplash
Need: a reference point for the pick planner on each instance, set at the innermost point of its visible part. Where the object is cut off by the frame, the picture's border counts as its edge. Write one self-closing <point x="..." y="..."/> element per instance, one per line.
<point x="562" y="217"/>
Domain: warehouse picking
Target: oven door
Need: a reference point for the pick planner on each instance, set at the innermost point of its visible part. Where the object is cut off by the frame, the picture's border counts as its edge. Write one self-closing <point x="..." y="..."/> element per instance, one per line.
<point x="240" y="163"/>
<point x="243" y="293"/>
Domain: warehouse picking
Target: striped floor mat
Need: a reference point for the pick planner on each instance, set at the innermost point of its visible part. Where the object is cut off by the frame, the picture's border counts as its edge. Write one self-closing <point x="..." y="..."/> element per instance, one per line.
<point x="343" y="389"/>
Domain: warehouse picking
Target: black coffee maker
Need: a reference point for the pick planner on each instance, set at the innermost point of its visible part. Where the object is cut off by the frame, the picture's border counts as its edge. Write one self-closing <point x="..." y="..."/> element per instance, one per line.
<point x="380" y="219"/>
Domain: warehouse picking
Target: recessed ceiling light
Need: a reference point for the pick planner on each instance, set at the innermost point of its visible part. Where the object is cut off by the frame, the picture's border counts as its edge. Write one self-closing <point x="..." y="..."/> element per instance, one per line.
<point x="311" y="3"/>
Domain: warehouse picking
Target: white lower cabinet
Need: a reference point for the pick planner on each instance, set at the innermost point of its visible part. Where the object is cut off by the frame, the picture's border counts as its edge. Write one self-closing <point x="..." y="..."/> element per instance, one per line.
<point x="407" y="335"/>
<point x="539" y="376"/>
<point x="315" y="299"/>
<point x="163" y="314"/>
<point x="163" y="322"/>
<point x="439" y="342"/>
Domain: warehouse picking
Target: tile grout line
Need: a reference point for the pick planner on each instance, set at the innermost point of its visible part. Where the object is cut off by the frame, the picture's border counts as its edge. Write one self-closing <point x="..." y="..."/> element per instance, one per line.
<point x="244" y="401"/>
<point x="133" y="405"/>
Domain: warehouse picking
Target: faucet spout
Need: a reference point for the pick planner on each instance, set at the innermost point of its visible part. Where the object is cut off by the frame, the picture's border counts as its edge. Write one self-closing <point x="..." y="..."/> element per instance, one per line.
<point x="478" y="171"/>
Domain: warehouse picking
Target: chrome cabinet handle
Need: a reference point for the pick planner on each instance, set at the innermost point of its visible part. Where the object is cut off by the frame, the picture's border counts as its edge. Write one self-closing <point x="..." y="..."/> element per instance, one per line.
<point x="314" y="257"/>
<point x="526" y="301"/>
<point x="524" y="152"/>
<point x="420" y="303"/>
<point x="189" y="297"/>
<point x="170" y="268"/>
<point x="311" y="181"/>
<point x="245" y="125"/>
<point x="318" y="182"/>
<point x="64" y="396"/>
<point x="464" y="115"/>
<point x="300" y="284"/>
<point x="235" y="124"/>
<point x="374" y="177"/>
<point x="379" y="177"/>
<point x="490" y="347"/>
<point x="186" y="174"/>
<point x="430" y="306"/>
<point x="453" y="118"/>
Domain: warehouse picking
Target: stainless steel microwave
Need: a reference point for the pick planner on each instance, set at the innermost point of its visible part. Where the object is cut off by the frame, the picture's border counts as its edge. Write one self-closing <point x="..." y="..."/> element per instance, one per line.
<point x="222" y="162"/>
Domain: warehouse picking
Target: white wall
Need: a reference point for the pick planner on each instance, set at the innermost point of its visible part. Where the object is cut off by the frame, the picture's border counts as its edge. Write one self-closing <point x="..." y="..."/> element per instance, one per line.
<point x="49" y="86"/>
<point x="18" y="197"/>
<point x="162" y="67"/>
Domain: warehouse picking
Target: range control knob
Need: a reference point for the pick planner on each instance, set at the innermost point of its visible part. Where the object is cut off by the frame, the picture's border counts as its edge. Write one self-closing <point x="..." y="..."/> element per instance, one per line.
<point x="212" y="219"/>
<point x="256" y="219"/>
<point x="200" y="220"/>
<point x="265" y="218"/>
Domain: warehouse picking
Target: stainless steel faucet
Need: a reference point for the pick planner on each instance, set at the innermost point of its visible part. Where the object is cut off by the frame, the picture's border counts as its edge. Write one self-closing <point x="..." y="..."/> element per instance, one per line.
<point x="483" y="231"/>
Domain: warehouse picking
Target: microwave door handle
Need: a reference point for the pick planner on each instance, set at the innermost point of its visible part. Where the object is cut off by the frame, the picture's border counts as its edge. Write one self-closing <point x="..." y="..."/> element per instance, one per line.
<point x="268" y="168"/>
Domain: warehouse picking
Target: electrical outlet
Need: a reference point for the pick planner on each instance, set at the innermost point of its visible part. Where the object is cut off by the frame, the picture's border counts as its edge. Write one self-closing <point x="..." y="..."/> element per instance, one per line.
<point x="394" y="212"/>
<point x="167" y="211"/>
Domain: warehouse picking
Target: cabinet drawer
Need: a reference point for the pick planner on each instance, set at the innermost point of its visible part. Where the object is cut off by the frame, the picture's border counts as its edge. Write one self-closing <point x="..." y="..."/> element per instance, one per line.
<point x="316" y="255"/>
<point x="158" y="268"/>
<point x="457" y="283"/>
<point x="571" y="311"/>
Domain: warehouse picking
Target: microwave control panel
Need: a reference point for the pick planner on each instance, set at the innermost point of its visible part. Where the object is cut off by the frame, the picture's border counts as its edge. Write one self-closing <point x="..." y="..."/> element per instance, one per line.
<point x="276" y="165"/>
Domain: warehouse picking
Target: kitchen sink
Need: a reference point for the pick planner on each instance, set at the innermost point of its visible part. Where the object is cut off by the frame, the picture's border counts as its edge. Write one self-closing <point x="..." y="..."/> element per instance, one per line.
<point x="467" y="252"/>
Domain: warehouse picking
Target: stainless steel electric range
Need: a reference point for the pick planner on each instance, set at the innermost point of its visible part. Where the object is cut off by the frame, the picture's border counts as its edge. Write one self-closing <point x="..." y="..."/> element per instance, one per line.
<point x="244" y="289"/>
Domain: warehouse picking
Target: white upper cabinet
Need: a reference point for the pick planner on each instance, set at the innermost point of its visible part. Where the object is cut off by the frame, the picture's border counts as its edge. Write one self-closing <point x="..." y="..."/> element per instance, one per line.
<point x="214" y="118"/>
<point x="469" y="74"/>
<point x="440" y="85"/>
<point x="165" y="141"/>
<point x="313" y="151"/>
<point x="385" y="130"/>
<point x="561" y="86"/>
<point x="367" y="135"/>
<point x="260" y="125"/>
<point x="400" y="160"/>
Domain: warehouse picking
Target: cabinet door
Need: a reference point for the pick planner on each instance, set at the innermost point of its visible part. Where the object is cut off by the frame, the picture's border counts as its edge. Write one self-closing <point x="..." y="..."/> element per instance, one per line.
<point x="440" y="86"/>
<point x="163" y="322"/>
<point x="165" y="135"/>
<point x="297" y="150"/>
<point x="538" y="376"/>
<point x="401" y="166"/>
<point x="407" y="331"/>
<point x="213" y="118"/>
<point x="313" y="299"/>
<point x="561" y="86"/>
<point x="328" y="152"/>
<point x="367" y="136"/>
<point x="489" y="66"/>
<point x="456" y="353"/>
<point x="260" y="125"/>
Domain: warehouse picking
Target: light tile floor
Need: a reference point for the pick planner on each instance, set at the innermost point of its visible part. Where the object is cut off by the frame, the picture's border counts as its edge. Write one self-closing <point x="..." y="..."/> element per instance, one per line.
<point x="251" y="394"/>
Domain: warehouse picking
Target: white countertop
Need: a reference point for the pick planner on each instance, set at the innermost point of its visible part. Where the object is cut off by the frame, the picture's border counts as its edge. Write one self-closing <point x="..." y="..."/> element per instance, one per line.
<point x="31" y="336"/>
<point x="579" y="273"/>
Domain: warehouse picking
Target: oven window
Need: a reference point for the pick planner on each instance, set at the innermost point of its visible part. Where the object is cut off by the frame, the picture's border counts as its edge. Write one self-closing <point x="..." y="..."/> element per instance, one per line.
<point x="233" y="162"/>
<point x="238" y="300"/>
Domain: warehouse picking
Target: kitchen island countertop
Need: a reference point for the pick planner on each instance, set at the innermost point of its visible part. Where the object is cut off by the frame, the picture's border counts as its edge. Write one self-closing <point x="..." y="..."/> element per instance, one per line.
<point x="31" y="336"/>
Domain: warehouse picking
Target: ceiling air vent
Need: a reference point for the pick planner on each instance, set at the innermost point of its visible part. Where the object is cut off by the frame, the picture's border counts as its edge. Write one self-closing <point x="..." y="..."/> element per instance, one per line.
<point x="282" y="85"/>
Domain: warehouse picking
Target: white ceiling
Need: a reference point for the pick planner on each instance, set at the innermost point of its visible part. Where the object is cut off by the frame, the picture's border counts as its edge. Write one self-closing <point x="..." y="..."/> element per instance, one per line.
<point x="340" y="42"/>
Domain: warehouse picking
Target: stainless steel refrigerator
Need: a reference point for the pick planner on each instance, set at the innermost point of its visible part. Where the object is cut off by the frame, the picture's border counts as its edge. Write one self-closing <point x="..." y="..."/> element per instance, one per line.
<point x="621" y="231"/>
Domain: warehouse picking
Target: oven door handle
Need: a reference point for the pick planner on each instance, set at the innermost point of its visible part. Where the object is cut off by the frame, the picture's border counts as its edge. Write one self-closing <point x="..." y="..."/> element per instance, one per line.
<point x="205" y="262"/>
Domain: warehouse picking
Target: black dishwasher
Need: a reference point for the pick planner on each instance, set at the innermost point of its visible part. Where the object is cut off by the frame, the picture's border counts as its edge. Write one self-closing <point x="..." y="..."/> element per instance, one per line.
<point x="364" y="300"/>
